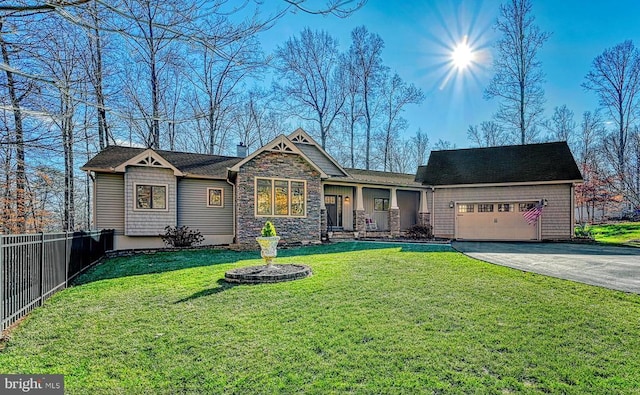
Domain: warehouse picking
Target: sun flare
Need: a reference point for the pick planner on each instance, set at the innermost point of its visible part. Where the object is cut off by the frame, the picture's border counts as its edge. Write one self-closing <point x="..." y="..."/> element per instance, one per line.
<point x="462" y="55"/>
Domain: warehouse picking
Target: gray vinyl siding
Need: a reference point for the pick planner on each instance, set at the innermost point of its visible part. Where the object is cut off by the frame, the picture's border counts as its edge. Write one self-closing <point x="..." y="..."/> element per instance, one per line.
<point x="320" y="159"/>
<point x="409" y="203"/>
<point x="381" y="217"/>
<point x="194" y="212"/>
<point x="347" y="208"/>
<point x="109" y="202"/>
<point x="555" y="220"/>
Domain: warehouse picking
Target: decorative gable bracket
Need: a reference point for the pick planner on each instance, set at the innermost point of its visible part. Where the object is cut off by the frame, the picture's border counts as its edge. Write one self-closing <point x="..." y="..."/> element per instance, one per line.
<point x="149" y="158"/>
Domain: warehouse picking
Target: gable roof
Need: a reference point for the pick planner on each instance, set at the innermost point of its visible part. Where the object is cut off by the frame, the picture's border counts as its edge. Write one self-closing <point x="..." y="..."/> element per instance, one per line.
<point x="114" y="158"/>
<point x="544" y="162"/>
<point x="280" y="144"/>
<point x="315" y="153"/>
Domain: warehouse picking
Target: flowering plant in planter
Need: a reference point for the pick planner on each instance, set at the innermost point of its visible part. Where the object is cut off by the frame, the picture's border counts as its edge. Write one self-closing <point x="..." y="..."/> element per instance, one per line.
<point x="268" y="242"/>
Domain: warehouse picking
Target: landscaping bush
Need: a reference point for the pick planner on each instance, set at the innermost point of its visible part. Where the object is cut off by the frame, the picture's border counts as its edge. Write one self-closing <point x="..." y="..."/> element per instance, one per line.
<point x="583" y="231"/>
<point x="181" y="236"/>
<point x="420" y="232"/>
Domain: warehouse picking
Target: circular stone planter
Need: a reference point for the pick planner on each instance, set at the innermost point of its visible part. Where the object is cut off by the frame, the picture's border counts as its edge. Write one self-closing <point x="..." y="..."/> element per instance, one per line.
<point x="264" y="274"/>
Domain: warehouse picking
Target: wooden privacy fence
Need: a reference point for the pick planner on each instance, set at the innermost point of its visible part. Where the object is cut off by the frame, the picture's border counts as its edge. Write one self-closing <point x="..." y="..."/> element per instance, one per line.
<point x="35" y="266"/>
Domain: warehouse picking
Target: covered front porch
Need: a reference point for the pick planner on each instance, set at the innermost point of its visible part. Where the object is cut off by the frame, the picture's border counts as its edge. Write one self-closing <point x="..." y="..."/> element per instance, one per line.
<point x="372" y="210"/>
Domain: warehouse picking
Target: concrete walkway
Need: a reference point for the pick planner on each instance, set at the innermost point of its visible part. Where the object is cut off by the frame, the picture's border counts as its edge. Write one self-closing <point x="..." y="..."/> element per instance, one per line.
<point x="610" y="267"/>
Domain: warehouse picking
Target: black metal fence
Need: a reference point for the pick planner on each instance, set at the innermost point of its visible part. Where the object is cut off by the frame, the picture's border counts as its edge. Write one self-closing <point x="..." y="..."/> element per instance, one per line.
<point x="35" y="266"/>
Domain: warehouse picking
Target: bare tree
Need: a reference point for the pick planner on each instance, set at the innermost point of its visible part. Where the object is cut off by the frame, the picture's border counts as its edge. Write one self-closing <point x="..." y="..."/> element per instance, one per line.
<point x="518" y="78"/>
<point x="60" y="57"/>
<point x="309" y="70"/>
<point x="353" y="110"/>
<point x="615" y="78"/>
<point x="15" y="98"/>
<point x="487" y="134"/>
<point x="420" y="144"/>
<point x="396" y="94"/>
<point x="562" y="126"/>
<point x="443" y="145"/>
<point x="255" y="121"/>
<point x="365" y="54"/>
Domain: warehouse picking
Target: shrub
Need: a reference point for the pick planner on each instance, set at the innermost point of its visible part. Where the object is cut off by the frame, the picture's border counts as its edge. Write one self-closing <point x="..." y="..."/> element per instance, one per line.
<point x="583" y="232"/>
<point x="268" y="230"/>
<point x="420" y="232"/>
<point x="181" y="236"/>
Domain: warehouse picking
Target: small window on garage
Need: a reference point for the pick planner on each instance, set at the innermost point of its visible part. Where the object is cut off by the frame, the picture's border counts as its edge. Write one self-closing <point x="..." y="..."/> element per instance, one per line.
<point x="215" y="197"/>
<point x="485" y="208"/>
<point x="505" y="207"/>
<point x="465" y="208"/>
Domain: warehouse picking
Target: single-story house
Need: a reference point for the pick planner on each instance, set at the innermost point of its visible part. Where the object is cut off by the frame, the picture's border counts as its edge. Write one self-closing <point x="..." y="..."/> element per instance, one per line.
<point x="294" y="183"/>
<point x="485" y="193"/>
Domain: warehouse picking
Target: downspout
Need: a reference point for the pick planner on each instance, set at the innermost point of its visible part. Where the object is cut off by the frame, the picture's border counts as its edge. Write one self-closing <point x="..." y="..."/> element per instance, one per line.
<point x="572" y="220"/>
<point x="235" y="206"/>
<point x="433" y="210"/>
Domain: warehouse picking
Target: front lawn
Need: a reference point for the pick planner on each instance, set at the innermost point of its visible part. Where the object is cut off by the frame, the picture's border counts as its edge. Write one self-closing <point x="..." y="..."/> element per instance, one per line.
<point x="374" y="318"/>
<point x="627" y="233"/>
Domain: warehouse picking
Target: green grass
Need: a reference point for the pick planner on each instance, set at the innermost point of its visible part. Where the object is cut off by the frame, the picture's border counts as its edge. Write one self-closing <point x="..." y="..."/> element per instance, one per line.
<point x="621" y="233"/>
<point x="374" y="318"/>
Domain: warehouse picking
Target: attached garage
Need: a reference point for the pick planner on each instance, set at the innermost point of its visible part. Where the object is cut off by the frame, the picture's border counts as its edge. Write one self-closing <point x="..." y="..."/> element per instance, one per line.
<point x="495" y="221"/>
<point x="483" y="193"/>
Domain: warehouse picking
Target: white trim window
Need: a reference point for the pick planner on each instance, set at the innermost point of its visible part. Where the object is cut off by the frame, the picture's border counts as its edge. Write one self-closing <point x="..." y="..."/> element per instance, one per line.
<point x="215" y="197"/>
<point x="277" y="197"/>
<point x="151" y="197"/>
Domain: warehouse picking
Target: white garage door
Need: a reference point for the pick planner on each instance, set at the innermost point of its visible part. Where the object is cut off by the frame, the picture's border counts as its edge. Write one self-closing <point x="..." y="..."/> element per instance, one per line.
<point x="494" y="221"/>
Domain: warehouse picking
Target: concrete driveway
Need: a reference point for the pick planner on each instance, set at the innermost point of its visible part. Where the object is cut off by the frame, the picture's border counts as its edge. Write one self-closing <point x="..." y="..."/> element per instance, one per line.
<point x="610" y="267"/>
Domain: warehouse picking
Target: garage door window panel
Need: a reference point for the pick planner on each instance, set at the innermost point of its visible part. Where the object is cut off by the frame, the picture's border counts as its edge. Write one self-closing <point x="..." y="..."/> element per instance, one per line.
<point x="465" y="208"/>
<point x="485" y="208"/>
<point x="505" y="207"/>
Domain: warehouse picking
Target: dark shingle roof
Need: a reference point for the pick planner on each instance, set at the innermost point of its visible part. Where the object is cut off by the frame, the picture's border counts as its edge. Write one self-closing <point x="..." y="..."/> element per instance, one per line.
<point x="515" y="163"/>
<point x="382" y="177"/>
<point x="195" y="164"/>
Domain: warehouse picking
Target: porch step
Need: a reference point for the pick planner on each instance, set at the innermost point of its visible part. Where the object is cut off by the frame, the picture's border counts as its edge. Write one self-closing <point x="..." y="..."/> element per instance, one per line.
<point x="370" y="234"/>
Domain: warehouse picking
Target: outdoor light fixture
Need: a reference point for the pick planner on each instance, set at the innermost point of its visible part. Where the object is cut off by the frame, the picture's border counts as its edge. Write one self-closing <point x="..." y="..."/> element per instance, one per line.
<point x="545" y="202"/>
<point x="451" y="204"/>
<point x="346" y="199"/>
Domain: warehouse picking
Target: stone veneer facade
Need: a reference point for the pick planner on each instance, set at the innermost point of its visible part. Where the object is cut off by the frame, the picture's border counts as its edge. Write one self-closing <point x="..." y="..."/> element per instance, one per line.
<point x="277" y="165"/>
<point x="394" y="221"/>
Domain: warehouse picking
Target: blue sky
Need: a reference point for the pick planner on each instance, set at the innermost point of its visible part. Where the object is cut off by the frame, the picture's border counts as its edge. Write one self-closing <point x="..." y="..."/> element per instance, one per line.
<point x="418" y="36"/>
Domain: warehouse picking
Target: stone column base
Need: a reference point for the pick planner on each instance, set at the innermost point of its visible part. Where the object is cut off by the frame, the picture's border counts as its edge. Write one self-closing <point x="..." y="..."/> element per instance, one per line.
<point x="424" y="218"/>
<point x="394" y="221"/>
<point x="359" y="221"/>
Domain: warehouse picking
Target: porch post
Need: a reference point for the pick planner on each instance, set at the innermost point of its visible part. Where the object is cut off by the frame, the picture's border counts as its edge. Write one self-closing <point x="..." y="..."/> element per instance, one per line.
<point x="359" y="224"/>
<point x="394" y="214"/>
<point x="423" y="214"/>
<point x="323" y="214"/>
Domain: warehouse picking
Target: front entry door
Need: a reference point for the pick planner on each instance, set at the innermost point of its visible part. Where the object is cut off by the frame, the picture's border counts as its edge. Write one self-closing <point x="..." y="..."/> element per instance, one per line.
<point x="333" y="203"/>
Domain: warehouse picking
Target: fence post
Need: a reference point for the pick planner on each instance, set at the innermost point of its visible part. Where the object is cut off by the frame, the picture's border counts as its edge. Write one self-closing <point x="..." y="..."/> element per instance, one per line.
<point x="66" y="258"/>
<point x="41" y="268"/>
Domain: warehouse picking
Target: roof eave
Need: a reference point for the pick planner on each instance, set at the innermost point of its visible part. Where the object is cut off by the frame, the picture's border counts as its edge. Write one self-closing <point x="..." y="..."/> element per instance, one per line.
<point x="494" y="184"/>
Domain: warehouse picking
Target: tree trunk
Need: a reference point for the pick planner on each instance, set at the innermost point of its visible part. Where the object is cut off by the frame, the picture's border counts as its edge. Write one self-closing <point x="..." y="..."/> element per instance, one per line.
<point x="19" y="140"/>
